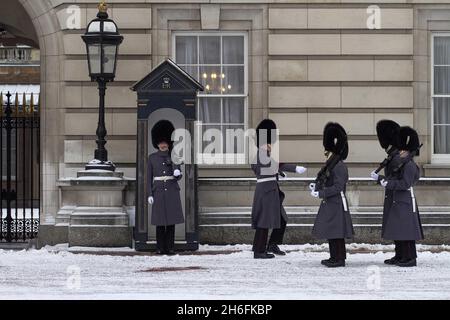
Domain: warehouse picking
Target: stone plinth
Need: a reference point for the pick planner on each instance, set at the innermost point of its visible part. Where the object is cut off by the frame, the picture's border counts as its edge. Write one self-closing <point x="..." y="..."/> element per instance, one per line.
<point x="93" y="210"/>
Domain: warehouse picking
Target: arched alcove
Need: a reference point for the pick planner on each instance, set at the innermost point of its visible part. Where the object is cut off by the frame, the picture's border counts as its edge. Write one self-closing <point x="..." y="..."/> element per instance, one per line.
<point x="35" y="24"/>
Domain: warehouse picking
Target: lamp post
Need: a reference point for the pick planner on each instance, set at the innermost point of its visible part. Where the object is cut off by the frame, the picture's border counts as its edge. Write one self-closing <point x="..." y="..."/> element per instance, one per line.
<point x="102" y="39"/>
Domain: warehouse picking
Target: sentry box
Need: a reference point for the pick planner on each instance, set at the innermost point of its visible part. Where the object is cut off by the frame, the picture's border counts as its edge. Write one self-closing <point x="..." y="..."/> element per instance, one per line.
<point x="167" y="93"/>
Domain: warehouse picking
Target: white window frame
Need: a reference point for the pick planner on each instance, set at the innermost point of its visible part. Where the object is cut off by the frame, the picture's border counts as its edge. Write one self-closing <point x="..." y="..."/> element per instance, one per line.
<point x="232" y="157"/>
<point x="436" y="158"/>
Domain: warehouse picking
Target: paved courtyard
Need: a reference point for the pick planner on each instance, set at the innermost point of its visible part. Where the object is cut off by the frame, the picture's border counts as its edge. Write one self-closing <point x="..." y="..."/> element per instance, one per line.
<point x="220" y="272"/>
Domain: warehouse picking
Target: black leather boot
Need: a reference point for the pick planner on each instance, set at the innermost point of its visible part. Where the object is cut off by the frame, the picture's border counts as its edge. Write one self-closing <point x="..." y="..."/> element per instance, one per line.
<point x="392" y="260"/>
<point x="263" y="255"/>
<point x="407" y="263"/>
<point x="273" y="248"/>
<point x="334" y="263"/>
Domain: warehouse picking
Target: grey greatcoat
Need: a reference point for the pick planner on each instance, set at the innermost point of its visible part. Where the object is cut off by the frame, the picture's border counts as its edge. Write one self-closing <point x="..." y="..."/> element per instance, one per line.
<point x="389" y="194"/>
<point x="166" y="208"/>
<point x="267" y="206"/>
<point x="402" y="221"/>
<point x="333" y="221"/>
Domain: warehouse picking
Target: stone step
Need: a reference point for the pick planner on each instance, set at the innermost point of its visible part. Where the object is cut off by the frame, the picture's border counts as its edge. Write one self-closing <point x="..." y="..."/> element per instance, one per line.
<point x="306" y="215"/>
<point x="360" y="192"/>
<point x="99" y="216"/>
<point x="99" y="219"/>
<point x="444" y="209"/>
<point x="17" y="246"/>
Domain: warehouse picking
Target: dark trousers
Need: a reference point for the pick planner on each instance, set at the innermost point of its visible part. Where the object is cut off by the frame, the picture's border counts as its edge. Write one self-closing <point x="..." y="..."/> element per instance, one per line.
<point x="261" y="235"/>
<point x="260" y="240"/>
<point x="165" y="238"/>
<point x="405" y="249"/>
<point x="337" y="249"/>
<point x="277" y="235"/>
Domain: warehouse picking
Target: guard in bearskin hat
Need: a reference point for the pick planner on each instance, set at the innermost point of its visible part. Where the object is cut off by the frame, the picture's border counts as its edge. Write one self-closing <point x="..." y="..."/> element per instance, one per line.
<point x="267" y="210"/>
<point x="164" y="191"/>
<point x="333" y="221"/>
<point x="401" y="220"/>
<point x="388" y="132"/>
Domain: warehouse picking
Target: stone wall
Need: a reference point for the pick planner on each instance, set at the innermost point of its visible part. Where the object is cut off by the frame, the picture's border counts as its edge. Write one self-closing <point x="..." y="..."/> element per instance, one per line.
<point x="310" y="61"/>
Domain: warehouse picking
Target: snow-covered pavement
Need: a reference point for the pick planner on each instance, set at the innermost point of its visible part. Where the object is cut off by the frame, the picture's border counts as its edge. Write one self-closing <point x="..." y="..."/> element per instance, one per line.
<point x="55" y="273"/>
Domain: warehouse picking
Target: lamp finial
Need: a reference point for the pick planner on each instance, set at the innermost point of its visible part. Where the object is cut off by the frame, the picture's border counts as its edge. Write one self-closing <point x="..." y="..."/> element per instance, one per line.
<point x="103" y="7"/>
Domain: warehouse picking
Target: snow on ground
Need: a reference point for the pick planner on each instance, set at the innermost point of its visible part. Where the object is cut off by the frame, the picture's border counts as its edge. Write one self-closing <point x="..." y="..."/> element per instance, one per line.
<point x="52" y="273"/>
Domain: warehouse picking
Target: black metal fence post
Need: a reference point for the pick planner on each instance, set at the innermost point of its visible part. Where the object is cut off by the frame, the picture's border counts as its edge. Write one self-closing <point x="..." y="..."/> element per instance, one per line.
<point x="8" y="194"/>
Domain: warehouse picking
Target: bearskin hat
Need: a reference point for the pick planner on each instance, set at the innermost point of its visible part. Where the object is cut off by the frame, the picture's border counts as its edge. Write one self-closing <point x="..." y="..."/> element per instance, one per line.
<point x="409" y="140"/>
<point x="162" y="131"/>
<point x="335" y="139"/>
<point x="264" y="132"/>
<point x="388" y="133"/>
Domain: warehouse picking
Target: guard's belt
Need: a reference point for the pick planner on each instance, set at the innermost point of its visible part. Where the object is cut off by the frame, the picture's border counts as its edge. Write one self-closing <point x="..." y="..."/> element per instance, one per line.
<point x="266" y="179"/>
<point x="163" y="178"/>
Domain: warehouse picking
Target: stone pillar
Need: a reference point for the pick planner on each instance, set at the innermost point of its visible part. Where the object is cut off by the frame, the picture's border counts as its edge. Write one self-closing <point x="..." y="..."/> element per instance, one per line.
<point x="94" y="210"/>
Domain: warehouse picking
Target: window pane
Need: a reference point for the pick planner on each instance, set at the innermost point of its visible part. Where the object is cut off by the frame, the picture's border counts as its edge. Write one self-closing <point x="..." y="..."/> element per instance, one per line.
<point x="210" y="78"/>
<point x="233" y="50"/>
<point x="109" y="26"/>
<point x="234" y="80"/>
<point x="192" y="70"/>
<point x="442" y="139"/>
<point x="234" y="139"/>
<point x="110" y="58"/>
<point x="209" y="50"/>
<point x="441" y="80"/>
<point x="209" y="136"/>
<point x="94" y="57"/>
<point x="442" y="50"/>
<point x="209" y="110"/>
<point x="186" y="50"/>
<point x="441" y="110"/>
<point x="94" y="26"/>
<point x="233" y="110"/>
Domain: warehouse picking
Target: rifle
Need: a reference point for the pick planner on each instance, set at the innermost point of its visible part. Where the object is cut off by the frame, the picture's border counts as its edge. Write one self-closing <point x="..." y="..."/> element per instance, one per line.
<point x="387" y="160"/>
<point x="325" y="172"/>
<point x="281" y="174"/>
<point x="411" y="155"/>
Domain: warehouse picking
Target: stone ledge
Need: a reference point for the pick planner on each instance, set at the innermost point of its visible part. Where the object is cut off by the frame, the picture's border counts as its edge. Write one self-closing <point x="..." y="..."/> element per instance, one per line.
<point x="100" y="236"/>
<point x="241" y="234"/>
<point x="431" y="181"/>
<point x="437" y="170"/>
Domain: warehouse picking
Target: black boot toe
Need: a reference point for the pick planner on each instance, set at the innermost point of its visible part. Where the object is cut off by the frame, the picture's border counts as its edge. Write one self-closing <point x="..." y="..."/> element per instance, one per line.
<point x="273" y="248"/>
<point x="263" y="255"/>
<point x="335" y="263"/>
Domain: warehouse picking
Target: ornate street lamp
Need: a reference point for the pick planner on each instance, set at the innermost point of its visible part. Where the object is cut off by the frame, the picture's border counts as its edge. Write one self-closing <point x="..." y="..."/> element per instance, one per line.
<point x="102" y="40"/>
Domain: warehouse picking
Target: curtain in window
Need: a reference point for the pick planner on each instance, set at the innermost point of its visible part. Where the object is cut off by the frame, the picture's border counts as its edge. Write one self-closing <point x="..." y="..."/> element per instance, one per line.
<point x="218" y="62"/>
<point x="441" y="99"/>
<point x="186" y="50"/>
<point x="442" y="125"/>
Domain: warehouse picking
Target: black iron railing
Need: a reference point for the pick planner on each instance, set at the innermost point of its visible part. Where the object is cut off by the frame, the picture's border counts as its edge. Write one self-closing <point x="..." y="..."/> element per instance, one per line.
<point x="20" y="167"/>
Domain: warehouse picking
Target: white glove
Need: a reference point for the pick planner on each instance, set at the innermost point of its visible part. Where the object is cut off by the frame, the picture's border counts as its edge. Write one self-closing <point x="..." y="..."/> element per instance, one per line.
<point x="315" y="194"/>
<point x="151" y="200"/>
<point x="384" y="183"/>
<point x="300" y="169"/>
<point x="312" y="186"/>
<point x="374" y="175"/>
<point x="176" y="173"/>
